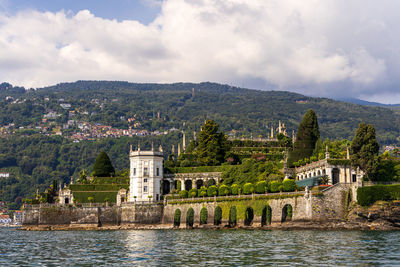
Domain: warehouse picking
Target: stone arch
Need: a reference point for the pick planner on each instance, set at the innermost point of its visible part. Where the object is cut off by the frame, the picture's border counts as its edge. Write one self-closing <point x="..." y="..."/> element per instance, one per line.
<point x="177" y="218"/>
<point x="199" y="183"/>
<point x="190" y="217"/>
<point x="323" y="172"/>
<point x="188" y="184"/>
<point x="211" y="182"/>
<point x="232" y="216"/>
<point x="335" y="175"/>
<point x="166" y="187"/>
<point x="66" y="200"/>
<point x="287" y="213"/>
<point x="319" y="173"/>
<point x="217" y="215"/>
<point x="248" y="216"/>
<point x="266" y="217"/>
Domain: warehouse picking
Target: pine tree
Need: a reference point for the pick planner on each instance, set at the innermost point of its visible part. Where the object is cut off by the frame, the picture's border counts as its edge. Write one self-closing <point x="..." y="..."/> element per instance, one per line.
<point x="364" y="149"/>
<point x="102" y="166"/>
<point x="212" y="145"/>
<point x="307" y="137"/>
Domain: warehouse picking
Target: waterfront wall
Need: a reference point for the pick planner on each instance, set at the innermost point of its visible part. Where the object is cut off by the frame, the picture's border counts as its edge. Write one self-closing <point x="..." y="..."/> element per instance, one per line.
<point x="72" y="215"/>
<point x="310" y="206"/>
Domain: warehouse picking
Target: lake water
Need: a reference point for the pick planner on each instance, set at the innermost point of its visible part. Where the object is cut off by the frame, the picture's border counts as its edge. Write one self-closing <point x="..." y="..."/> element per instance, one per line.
<point x="199" y="248"/>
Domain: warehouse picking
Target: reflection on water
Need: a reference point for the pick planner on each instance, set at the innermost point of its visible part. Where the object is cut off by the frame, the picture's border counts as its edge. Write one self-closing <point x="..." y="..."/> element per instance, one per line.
<point x="199" y="247"/>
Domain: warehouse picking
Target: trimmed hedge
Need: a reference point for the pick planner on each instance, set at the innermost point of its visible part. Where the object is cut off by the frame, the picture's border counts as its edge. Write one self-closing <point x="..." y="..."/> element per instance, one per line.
<point x="98" y="197"/>
<point x="235" y="189"/>
<point x="97" y="187"/>
<point x="183" y="194"/>
<point x="248" y="188"/>
<point x="217" y="215"/>
<point x="190" y="217"/>
<point x="192" y="192"/>
<point x="261" y="187"/>
<point x="224" y="190"/>
<point x="212" y="191"/>
<point x="203" y="215"/>
<point x="110" y="180"/>
<point x="232" y="216"/>
<point x="193" y="169"/>
<point x="368" y="195"/>
<point x="177" y="218"/>
<point x="202" y="192"/>
<point x="275" y="186"/>
<point x="289" y="185"/>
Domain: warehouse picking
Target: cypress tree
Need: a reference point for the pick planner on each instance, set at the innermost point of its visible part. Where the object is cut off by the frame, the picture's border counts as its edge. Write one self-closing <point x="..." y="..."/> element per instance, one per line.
<point x="364" y="149"/>
<point x="307" y="137"/>
<point x="102" y="166"/>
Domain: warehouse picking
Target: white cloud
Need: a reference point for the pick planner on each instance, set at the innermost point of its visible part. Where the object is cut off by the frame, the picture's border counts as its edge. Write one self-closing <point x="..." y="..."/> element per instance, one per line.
<point x="321" y="48"/>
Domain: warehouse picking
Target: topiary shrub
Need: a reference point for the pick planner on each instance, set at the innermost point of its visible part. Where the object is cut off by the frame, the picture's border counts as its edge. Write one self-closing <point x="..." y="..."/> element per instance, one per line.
<point x="274" y="186"/>
<point x="224" y="190"/>
<point x="289" y="185"/>
<point x="235" y="189"/>
<point x="260" y="187"/>
<point x="183" y="194"/>
<point x="266" y="216"/>
<point x="232" y="216"/>
<point x="368" y="195"/>
<point x="248" y="188"/>
<point x="217" y="215"/>
<point x="177" y="218"/>
<point x="212" y="191"/>
<point x="202" y="192"/>
<point x="190" y="217"/>
<point x="203" y="215"/>
<point x="192" y="192"/>
<point x="248" y="216"/>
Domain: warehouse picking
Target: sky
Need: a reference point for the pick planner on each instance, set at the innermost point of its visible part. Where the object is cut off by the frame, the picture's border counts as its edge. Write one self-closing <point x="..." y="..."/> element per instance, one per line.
<point x="330" y="48"/>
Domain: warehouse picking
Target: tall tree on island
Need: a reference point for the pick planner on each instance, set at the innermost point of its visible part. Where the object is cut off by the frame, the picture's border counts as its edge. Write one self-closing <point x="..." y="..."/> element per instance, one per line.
<point x="212" y="145"/>
<point x="364" y="149"/>
<point x="307" y="137"/>
<point x="102" y="166"/>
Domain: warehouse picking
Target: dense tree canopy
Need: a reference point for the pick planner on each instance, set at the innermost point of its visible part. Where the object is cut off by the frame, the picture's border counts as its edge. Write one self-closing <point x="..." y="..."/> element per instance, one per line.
<point x="102" y="166"/>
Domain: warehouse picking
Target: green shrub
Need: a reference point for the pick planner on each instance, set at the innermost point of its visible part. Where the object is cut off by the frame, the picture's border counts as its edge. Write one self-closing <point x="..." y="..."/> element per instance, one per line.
<point x="289" y="185"/>
<point x="217" y="215"/>
<point x="212" y="191"/>
<point x="183" y="194"/>
<point x="177" y="218"/>
<point x="192" y="192"/>
<point x="190" y="217"/>
<point x="368" y="195"/>
<point x="275" y="186"/>
<point x="178" y="185"/>
<point x="248" y="216"/>
<point x="260" y="187"/>
<point x="98" y="197"/>
<point x="202" y="192"/>
<point x="97" y="187"/>
<point x="203" y="215"/>
<point x="232" y="216"/>
<point x="235" y="189"/>
<point x="248" y="188"/>
<point x="224" y="190"/>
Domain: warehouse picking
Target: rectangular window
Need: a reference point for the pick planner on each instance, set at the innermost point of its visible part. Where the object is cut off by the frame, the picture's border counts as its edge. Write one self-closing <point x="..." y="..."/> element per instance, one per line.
<point x="145" y="171"/>
<point x="145" y="188"/>
<point x="145" y="180"/>
<point x="134" y="171"/>
<point x="354" y="178"/>
<point x="158" y="171"/>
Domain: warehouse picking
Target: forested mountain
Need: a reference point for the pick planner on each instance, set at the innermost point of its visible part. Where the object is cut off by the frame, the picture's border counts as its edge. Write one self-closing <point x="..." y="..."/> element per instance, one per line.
<point x="246" y="111"/>
<point x="34" y="155"/>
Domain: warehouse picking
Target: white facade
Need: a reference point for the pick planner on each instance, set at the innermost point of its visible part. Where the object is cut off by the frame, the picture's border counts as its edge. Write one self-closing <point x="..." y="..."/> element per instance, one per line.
<point x="146" y="174"/>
